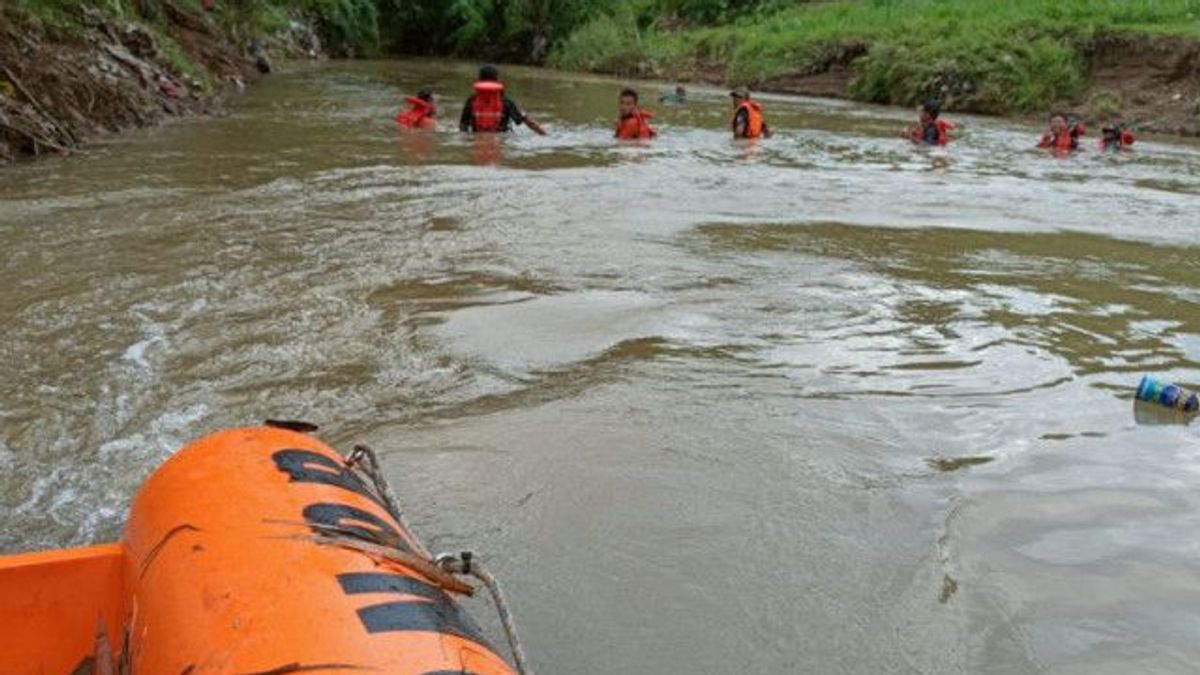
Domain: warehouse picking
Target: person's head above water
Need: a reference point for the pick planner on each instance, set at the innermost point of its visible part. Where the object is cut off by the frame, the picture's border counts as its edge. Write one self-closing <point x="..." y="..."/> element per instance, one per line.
<point x="627" y="102"/>
<point x="1058" y="123"/>
<point x="489" y="74"/>
<point x="739" y="95"/>
<point x="425" y="95"/>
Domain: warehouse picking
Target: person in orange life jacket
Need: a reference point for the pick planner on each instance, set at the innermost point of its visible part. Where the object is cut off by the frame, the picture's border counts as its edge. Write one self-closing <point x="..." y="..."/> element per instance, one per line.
<point x="633" y="123"/>
<point x="489" y="110"/>
<point x="930" y="128"/>
<point x="1115" y="139"/>
<point x="748" y="119"/>
<point x="1062" y="133"/>
<point x="421" y="113"/>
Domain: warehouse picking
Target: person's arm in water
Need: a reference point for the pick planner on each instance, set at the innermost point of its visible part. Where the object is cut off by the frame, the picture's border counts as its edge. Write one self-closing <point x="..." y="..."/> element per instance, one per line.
<point x="514" y="113"/>
<point x="468" y="117"/>
<point x="766" y="131"/>
<point x="535" y="127"/>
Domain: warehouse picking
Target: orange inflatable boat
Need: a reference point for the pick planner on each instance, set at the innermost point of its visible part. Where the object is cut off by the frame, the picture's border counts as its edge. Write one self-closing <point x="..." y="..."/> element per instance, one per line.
<point x="255" y="551"/>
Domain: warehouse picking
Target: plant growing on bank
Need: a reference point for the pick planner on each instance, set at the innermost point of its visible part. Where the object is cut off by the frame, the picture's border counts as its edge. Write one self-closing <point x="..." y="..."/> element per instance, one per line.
<point x="986" y="56"/>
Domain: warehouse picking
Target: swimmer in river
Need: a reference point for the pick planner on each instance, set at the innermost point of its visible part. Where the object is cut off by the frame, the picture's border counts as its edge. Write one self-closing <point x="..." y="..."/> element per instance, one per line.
<point x="679" y="97"/>
<point x="1062" y="133"/>
<point x="633" y="123"/>
<point x="748" y="120"/>
<point x="489" y="110"/>
<point x="931" y="130"/>
<point x="1116" y="138"/>
<point x="421" y="113"/>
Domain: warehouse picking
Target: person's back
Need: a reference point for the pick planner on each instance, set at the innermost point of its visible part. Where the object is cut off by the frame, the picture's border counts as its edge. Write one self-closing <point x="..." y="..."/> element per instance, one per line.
<point x="489" y="110"/>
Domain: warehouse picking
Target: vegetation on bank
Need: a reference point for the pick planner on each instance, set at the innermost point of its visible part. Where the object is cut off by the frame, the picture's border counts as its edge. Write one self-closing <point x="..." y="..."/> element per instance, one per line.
<point x="987" y="56"/>
<point x="348" y="27"/>
<point x="981" y="55"/>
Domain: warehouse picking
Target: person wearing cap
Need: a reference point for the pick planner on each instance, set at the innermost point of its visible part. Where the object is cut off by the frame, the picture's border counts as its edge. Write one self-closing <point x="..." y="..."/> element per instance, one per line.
<point x="490" y="110"/>
<point x="748" y="119"/>
<point x="931" y="129"/>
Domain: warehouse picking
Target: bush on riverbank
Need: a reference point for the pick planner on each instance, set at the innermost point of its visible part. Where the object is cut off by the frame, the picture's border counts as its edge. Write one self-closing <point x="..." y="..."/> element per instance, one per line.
<point x="986" y="56"/>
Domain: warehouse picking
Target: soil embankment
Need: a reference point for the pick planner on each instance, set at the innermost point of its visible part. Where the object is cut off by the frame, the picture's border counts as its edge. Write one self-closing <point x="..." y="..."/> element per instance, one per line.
<point x="62" y="82"/>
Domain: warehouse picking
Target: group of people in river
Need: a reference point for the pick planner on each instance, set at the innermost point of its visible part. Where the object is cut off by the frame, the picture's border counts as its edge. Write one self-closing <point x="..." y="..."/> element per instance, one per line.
<point x="489" y="109"/>
<point x="1062" y="134"/>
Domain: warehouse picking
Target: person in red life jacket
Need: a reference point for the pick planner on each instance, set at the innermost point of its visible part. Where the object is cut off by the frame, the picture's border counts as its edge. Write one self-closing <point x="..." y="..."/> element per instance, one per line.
<point x="1062" y="133"/>
<point x="748" y="121"/>
<point x="489" y="110"/>
<point x="421" y="113"/>
<point x="1115" y="139"/>
<point x="931" y="129"/>
<point x="633" y="123"/>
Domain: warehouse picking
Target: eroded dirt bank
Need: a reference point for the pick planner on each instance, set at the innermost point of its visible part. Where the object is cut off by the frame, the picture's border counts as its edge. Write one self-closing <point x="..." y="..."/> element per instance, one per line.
<point x="62" y="82"/>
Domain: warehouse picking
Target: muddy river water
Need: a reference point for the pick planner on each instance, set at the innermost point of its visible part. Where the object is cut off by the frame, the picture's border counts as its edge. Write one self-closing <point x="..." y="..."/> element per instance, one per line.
<point x="820" y="405"/>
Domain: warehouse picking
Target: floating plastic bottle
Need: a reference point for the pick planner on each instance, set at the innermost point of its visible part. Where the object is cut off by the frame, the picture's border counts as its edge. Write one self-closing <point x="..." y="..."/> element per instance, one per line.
<point x="1168" y="395"/>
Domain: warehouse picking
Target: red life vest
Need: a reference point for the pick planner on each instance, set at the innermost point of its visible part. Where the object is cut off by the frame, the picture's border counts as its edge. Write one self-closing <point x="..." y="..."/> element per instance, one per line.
<point x="944" y="127"/>
<point x="754" y="119"/>
<point x="487" y="106"/>
<point x="420" y="114"/>
<point x="1124" y="140"/>
<point x="636" y="126"/>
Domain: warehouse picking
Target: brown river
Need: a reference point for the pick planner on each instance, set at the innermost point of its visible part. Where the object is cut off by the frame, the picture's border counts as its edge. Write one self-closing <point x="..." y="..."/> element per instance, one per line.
<point x="825" y="404"/>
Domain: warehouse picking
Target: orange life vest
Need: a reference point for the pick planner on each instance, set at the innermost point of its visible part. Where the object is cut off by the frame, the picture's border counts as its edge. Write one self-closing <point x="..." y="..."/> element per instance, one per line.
<point x="754" y="118"/>
<point x="1063" y="142"/>
<point x="636" y="126"/>
<point x="487" y="107"/>
<point x="420" y="114"/>
<point x="1066" y="141"/>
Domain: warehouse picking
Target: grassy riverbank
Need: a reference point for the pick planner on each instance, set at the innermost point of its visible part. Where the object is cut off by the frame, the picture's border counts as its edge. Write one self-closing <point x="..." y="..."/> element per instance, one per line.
<point x="980" y="55"/>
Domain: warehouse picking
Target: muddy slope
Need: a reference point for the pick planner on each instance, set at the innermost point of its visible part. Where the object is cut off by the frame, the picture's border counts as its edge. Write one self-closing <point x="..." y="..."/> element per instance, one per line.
<point x="1150" y="83"/>
<point x="60" y="85"/>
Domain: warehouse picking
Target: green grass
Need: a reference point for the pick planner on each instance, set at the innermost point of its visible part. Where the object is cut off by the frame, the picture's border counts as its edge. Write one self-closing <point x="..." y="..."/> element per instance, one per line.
<point x="991" y="55"/>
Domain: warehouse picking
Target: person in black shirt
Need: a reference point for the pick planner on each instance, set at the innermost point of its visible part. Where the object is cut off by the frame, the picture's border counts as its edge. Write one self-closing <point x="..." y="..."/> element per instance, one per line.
<point x="507" y="113"/>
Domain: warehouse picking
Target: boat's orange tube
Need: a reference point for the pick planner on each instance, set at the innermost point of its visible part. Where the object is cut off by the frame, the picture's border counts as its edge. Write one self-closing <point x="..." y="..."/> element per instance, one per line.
<point x="227" y="567"/>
